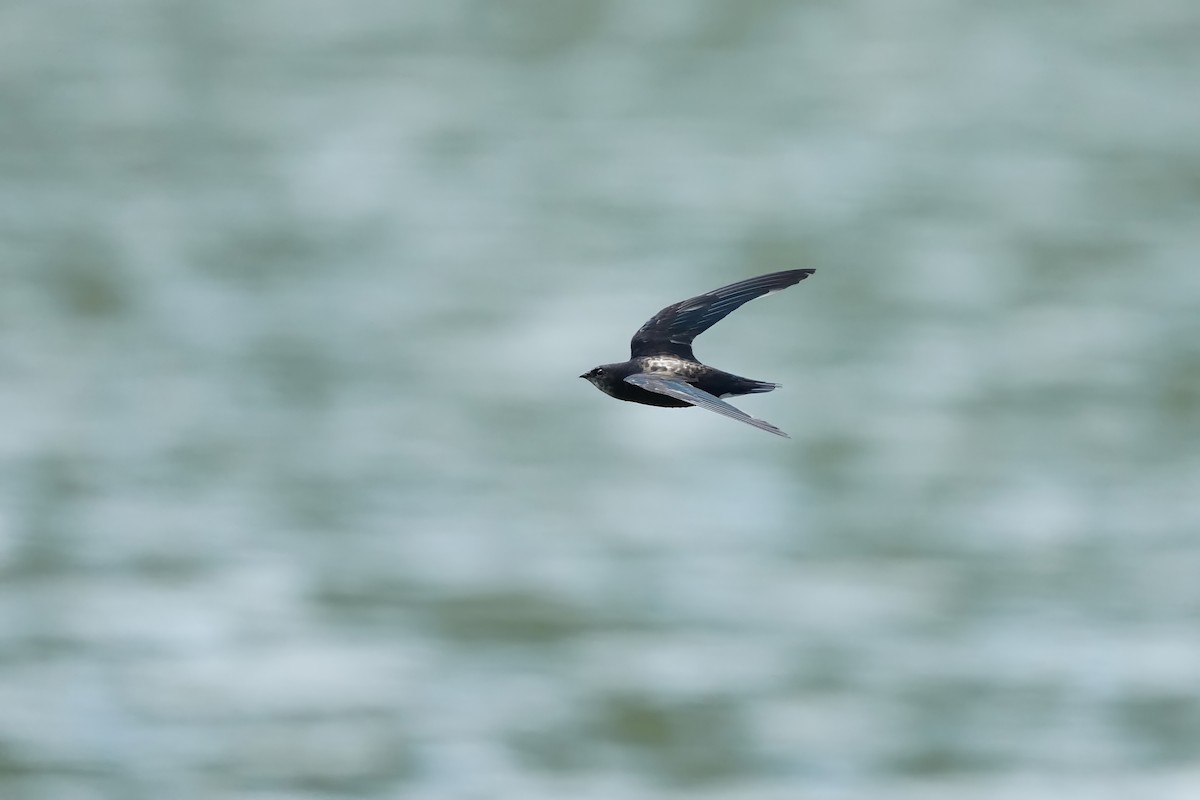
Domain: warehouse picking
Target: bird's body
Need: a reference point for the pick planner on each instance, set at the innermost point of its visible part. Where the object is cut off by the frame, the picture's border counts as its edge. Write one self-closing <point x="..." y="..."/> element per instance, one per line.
<point x="703" y="377"/>
<point x="663" y="371"/>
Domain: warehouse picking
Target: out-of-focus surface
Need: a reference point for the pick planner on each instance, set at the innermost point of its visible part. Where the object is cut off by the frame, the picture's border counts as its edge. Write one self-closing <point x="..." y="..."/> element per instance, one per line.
<point x="300" y="496"/>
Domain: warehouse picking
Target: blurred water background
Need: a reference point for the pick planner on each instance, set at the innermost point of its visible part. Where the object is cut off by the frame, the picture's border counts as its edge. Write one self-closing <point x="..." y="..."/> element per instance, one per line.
<point x="300" y="496"/>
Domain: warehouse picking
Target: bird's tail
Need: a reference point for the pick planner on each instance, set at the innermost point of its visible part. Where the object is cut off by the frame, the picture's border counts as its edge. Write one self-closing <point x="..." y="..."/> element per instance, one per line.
<point x="757" y="387"/>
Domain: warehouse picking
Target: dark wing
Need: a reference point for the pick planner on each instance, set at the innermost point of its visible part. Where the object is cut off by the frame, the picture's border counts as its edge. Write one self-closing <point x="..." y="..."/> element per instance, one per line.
<point x="681" y="390"/>
<point x="673" y="329"/>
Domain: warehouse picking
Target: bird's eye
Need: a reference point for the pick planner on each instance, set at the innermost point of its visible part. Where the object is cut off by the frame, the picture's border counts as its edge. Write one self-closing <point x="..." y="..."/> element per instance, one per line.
<point x="599" y="370"/>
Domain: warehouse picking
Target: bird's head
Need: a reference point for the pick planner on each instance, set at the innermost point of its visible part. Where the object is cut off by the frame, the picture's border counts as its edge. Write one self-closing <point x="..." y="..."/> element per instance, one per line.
<point x="603" y="375"/>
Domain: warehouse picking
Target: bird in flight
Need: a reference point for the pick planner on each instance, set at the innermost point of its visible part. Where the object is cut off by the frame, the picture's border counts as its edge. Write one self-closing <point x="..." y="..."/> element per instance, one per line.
<point x="663" y="371"/>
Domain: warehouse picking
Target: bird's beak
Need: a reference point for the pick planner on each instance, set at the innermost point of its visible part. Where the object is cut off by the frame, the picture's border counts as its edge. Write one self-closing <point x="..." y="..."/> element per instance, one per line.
<point x="584" y="375"/>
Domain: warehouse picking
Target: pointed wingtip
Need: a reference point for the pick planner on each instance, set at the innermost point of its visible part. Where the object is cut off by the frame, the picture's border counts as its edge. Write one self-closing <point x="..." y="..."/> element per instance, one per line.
<point x="788" y="278"/>
<point x="763" y="425"/>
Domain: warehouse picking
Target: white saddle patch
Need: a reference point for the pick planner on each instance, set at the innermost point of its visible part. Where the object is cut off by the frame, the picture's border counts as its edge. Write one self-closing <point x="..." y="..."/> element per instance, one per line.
<point x="663" y="364"/>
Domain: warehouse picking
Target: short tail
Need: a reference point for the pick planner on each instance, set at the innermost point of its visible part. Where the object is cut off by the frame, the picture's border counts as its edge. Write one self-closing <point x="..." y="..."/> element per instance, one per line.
<point x="759" y="387"/>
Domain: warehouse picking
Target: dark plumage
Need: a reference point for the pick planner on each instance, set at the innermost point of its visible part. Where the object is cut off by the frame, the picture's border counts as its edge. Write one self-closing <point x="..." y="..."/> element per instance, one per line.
<point x="663" y="371"/>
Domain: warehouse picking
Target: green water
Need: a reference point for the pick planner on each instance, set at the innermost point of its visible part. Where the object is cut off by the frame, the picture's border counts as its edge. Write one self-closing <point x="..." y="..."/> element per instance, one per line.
<point x="300" y="495"/>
